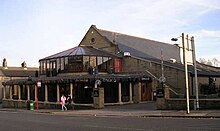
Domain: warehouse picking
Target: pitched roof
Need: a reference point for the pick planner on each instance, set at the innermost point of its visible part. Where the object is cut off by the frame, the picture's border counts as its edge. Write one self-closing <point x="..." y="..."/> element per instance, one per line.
<point x="205" y="70"/>
<point x="141" y="47"/>
<point x="17" y="72"/>
<point x="202" y="71"/>
<point x="151" y="50"/>
<point x="80" y="50"/>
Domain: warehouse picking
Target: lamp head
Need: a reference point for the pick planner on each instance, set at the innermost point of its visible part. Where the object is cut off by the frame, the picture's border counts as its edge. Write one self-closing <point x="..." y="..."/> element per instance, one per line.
<point x="174" y="39"/>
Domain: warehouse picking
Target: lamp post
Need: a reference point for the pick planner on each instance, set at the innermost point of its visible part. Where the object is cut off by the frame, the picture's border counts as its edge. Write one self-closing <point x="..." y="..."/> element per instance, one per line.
<point x="186" y="75"/>
<point x="186" y="71"/>
<point x="38" y="85"/>
<point x="195" y="69"/>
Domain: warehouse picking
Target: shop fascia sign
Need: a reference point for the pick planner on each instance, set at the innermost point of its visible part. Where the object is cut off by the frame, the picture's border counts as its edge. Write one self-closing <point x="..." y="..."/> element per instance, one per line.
<point x="145" y="78"/>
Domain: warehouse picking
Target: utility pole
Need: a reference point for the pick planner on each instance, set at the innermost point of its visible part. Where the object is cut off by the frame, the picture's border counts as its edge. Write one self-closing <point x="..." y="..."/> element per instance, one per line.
<point x="162" y="73"/>
<point x="195" y="69"/>
<point x="186" y="73"/>
<point x="162" y="79"/>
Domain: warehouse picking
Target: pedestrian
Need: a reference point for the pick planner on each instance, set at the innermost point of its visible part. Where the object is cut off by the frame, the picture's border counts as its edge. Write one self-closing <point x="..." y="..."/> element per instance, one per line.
<point x="70" y="102"/>
<point x="63" y="102"/>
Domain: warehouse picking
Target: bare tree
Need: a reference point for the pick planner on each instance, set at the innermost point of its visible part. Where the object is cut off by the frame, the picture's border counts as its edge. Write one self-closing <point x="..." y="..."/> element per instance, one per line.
<point x="209" y="62"/>
<point x="213" y="62"/>
<point x="202" y="60"/>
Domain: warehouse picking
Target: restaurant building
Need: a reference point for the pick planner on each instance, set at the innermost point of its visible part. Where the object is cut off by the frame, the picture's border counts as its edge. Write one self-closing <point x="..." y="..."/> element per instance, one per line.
<point x="117" y="68"/>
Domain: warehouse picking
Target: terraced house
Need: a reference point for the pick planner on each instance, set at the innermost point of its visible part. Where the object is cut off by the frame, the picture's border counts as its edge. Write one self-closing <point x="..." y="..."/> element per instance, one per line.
<point x="115" y="68"/>
<point x="8" y="73"/>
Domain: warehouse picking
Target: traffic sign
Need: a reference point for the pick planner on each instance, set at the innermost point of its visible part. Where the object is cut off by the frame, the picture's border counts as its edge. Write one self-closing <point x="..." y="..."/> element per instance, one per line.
<point x="162" y="79"/>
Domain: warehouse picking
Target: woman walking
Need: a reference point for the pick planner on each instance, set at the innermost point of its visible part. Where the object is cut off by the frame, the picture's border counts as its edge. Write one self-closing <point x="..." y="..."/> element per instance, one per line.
<point x="63" y="102"/>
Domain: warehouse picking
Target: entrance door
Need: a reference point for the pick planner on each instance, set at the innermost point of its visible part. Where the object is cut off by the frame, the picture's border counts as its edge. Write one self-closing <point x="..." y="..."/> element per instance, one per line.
<point x="146" y="91"/>
<point x="83" y="93"/>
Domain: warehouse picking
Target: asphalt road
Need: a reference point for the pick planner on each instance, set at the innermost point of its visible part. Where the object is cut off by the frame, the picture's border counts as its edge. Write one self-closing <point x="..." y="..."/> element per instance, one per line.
<point x="32" y="121"/>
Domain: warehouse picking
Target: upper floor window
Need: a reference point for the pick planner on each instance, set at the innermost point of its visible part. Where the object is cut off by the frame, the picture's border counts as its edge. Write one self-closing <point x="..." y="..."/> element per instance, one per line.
<point x="75" y="63"/>
<point x="92" y="40"/>
<point x="80" y="64"/>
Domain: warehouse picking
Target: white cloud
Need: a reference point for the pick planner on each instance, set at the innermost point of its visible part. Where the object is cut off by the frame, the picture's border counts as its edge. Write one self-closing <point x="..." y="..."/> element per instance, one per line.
<point x="207" y="38"/>
<point x="209" y="33"/>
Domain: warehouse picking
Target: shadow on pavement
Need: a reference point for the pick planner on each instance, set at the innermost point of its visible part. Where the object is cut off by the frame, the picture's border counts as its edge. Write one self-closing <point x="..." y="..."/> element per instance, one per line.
<point x="144" y="106"/>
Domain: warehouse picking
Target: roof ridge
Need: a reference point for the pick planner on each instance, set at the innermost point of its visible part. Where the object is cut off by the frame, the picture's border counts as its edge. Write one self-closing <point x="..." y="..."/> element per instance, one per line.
<point x="17" y="68"/>
<point x="58" y="52"/>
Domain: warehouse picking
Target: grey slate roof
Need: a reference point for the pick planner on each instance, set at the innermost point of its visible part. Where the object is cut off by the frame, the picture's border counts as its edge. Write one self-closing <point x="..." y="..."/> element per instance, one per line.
<point x="141" y="47"/>
<point x="17" y="72"/>
<point x="205" y="70"/>
<point x="133" y="51"/>
<point x="80" y="50"/>
<point x="151" y="50"/>
<point x="138" y="47"/>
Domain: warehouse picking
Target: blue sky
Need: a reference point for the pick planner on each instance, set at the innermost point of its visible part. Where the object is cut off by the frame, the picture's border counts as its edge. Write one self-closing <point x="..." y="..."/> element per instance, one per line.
<point x="33" y="29"/>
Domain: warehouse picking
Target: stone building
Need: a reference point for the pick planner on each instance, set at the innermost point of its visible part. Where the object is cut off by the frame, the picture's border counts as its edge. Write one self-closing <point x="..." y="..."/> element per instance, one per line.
<point x="124" y="68"/>
<point x="8" y="73"/>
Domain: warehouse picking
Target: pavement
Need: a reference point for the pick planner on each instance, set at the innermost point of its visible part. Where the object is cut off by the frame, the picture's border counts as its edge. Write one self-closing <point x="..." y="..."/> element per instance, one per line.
<point x="131" y="110"/>
<point x="159" y="113"/>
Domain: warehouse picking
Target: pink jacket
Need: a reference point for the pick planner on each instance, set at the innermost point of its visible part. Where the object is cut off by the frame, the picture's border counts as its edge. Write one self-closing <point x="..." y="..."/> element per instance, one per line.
<point x="63" y="99"/>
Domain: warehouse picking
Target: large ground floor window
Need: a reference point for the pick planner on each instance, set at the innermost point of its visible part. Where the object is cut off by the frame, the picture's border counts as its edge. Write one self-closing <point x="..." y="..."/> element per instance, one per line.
<point x="110" y="92"/>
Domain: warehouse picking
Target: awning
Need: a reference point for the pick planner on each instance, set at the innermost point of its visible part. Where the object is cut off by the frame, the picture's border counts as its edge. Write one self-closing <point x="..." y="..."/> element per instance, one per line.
<point x="80" y="77"/>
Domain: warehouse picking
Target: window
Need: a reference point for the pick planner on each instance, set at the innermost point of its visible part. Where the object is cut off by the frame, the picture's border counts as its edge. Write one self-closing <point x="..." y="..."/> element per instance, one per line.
<point x="75" y="63"/>
<point x="105" y="59"/>
<point x="85" y="63"/>
<point x="99" y="61"/>
<point x="62" y="64"/>
<point x="102" y="63"/>
<point x="93" y="61"/>
<point x="66" y="63"/>
<point x="48" y="65"/>
<point x="52" y="65"/>
<point x="42" y="67"/>
<point x="58" y="64"/>
<point x="92" y="40"/>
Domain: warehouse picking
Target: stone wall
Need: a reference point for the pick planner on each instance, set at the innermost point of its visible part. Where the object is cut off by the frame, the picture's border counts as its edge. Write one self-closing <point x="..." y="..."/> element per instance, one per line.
<point x="175" y="78"/>
<point x="99" y="41"/>
<point x="180" y="104"/>
<point x="137" y="93"/>
<point x="98" y="97"/>
<point x="6" y="103"/>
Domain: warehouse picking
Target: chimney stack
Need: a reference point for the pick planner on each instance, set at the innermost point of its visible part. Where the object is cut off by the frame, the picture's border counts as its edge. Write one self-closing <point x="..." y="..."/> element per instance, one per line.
<point x="4" y="63"/>
<point x="24" y="65"/>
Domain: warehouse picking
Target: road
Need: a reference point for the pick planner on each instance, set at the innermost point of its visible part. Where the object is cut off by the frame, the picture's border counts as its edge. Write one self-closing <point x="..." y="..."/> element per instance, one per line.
<point x="32" y="121"/>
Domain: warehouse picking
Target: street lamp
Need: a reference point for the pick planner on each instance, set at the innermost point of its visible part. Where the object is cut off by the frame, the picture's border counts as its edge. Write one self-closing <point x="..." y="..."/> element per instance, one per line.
<point x="186" y="72"/>
<point x="38" y="85"/>
<point x="194" y="61"/>
<point x="195" y="69"/>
